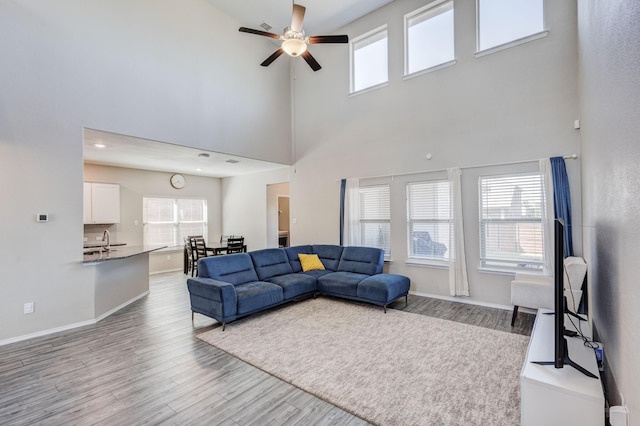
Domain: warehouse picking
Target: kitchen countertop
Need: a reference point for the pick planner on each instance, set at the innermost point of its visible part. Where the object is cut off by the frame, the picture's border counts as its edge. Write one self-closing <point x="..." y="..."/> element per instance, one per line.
<point x="121" y="252"/>
<point x="94" y="244"/>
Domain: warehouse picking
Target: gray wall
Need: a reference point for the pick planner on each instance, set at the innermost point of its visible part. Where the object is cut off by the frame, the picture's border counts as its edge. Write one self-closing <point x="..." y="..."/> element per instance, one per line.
<point x="610" y="96"/>
<point x="245" y="207"/>
<point x="162" y="70"/>
<point x="513" y="105"/>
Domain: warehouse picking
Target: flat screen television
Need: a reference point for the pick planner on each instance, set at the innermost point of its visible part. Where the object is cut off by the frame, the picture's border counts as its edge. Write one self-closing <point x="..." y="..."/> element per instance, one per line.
<point x="561" y="353"/>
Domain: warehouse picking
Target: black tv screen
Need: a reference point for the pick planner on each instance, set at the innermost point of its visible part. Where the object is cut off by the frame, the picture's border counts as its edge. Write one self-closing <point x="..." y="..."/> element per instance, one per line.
<point x="560" y="343"/>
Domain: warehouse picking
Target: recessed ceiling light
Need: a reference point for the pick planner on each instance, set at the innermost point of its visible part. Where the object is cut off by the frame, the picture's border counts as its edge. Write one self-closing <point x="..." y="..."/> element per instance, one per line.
<point x="232" y="161"/>
<point x="198" y="170"/>
<point x="99" y="145"/>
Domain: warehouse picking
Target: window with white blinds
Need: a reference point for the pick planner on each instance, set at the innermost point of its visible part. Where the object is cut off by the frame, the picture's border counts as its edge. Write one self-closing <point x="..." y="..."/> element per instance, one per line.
<point x="375" y="217"/>
<point x="511" y="235"/>
<point x="429" y="37"/>
<point x="429" y="220"/>
<point x="167" y="221"/>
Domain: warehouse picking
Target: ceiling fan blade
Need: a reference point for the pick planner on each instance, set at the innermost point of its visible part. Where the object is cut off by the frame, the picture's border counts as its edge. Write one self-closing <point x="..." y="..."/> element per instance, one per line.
<point x="329" y="39"/>
<point x="272" y="58"/>
<point x="311" y="60"/>
<point x="258" y="32"/>
<point x="297" y="17"/>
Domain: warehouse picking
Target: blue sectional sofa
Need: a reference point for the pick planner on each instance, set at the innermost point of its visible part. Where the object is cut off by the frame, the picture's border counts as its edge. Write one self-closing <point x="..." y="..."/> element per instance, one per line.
<point x="235" y="285"/>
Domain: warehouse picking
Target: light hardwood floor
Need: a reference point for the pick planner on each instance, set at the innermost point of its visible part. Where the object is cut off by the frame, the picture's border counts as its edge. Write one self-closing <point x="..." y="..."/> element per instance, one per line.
<point x="144" y="365"/>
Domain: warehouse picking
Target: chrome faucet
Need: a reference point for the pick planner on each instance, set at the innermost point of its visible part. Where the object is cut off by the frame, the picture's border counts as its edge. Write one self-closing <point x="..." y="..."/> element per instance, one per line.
<point x="106" y="237"/>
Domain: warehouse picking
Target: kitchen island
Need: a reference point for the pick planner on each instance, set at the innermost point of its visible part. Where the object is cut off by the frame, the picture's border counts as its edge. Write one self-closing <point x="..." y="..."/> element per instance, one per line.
<point x="121" y="277"/>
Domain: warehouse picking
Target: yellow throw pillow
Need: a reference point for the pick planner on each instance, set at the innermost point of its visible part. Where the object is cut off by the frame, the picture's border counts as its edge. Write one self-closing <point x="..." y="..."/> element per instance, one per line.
<point x="310" y="262"/>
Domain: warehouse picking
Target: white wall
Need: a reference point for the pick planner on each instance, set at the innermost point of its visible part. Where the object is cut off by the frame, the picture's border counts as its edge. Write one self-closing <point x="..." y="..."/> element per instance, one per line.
<point x="244" y="206"/>
<point x="513" y="105"/>
<point x="610" y="95"/>
<point x="170" y="71"/>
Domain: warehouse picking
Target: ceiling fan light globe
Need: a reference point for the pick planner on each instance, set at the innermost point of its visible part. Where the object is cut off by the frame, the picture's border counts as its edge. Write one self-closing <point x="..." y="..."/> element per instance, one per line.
<point x="294" y="47"/>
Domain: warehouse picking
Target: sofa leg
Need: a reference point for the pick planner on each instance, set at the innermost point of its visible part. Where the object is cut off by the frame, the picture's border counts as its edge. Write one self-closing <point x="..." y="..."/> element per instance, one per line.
<point x="224" y="324"/>
<point x="406" y="300"/>
<point x="385" y="308"/>
<point x="515" y="314"/>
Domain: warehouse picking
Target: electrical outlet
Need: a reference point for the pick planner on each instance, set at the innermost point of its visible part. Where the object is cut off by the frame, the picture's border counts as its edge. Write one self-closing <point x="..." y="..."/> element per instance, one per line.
<point x="168" y="257"/>
<point x="29" y="307"/>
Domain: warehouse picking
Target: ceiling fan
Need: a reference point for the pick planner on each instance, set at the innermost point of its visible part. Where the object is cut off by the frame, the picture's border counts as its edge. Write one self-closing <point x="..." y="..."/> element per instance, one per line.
<point x="294" y="42"/>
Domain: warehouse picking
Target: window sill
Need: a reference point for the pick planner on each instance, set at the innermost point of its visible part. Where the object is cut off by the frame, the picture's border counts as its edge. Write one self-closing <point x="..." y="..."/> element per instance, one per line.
<point x="497" y="271"/>
<point x="427" y="264"/>
<point x="511" y="44"/>
<point x="369" y="89"/>
<point x="429" y="70"/>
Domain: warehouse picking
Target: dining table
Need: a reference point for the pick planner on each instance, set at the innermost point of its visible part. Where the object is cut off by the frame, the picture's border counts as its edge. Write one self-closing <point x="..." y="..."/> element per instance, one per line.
<point x="215" y="248"/>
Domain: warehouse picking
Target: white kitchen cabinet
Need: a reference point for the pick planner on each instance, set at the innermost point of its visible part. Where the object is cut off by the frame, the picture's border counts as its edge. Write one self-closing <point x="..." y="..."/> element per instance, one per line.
<point x="101" y="203"/>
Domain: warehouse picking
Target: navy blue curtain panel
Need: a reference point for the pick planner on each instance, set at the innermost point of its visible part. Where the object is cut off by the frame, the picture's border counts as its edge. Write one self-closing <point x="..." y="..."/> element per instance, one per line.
<point x="562" y="200"/>
<point x="343" y="187"/>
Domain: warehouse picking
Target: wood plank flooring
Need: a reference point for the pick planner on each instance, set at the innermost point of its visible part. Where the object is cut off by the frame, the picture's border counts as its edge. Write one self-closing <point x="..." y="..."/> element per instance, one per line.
<point x="143" y="365"/>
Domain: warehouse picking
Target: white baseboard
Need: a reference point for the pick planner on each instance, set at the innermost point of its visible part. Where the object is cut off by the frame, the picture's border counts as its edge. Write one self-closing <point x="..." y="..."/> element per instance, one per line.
<point x="70" y="326"/>
<point x="117" y="308"/>
<point x="465" y="299"/>
<point x="165" y="271"/>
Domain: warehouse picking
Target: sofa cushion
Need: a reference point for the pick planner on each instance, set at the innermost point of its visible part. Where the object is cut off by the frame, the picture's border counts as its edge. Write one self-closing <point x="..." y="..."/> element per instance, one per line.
<point x="362" y="260"/>
<point x="329" y="255"/>
<point x="270" y="263"/>
<point x="318" y="273"/>
<point x="257" y="295"/>
<point x="310" y="262"/>
<point x="232" y="268"/>
<point x="294" y="285"/>
<point x="383" y="288"/>
<point x="340" y="283"/>
<point x="292" y="254"/>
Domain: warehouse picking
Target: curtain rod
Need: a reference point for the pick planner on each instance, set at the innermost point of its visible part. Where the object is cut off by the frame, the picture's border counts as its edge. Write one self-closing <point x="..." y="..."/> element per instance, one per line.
<point x="566" y="157"/>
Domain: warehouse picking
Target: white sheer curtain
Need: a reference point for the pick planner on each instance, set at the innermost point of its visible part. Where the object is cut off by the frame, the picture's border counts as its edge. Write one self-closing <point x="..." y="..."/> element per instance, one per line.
<point x="458" y="280"/>
<point x="352" y="213"/>
<point x="548" y="216"/>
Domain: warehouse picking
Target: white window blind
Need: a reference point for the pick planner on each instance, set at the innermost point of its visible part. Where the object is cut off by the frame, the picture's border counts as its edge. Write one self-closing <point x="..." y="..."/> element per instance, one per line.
<point x="429" y="36"/>
<point x="511" y="208"/>
<point x="429" y="220"/>
<point x="503" y="21"/>
<point x="167" y="221"/>
<point x="375" y="217"/>
<point x="369" y="60"/>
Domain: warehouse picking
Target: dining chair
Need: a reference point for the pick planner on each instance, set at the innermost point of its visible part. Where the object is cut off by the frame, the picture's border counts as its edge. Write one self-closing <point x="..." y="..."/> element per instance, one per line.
<point x="188" y="254"/>
<point x="236" y="245"/>
<point x="199" y="250"/>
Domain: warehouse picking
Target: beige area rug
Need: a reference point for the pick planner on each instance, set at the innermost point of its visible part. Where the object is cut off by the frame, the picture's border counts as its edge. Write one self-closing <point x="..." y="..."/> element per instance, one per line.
<point x="396" y="368"/>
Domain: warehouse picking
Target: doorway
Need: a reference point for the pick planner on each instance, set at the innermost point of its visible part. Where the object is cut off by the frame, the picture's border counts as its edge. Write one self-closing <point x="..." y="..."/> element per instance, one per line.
<point x="278" y="215"/>
<point x="283" y="221"/>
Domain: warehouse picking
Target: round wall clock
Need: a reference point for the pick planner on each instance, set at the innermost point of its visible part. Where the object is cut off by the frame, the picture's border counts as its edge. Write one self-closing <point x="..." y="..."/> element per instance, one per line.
<point x="178" y="181"/>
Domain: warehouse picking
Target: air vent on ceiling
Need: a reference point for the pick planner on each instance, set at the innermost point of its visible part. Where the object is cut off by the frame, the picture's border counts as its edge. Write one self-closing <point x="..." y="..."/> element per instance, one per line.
<point x="266" y="26"/>
<point x="231" y="161"/>
<point x="203" y="155"/>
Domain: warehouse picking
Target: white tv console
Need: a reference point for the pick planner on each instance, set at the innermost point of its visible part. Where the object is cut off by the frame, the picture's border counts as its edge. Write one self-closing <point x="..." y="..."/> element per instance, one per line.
<point x="559" y="396"/>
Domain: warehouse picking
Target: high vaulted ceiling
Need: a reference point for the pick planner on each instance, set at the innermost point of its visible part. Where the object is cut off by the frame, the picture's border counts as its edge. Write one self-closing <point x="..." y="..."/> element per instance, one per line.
<point x="322" y="16"/>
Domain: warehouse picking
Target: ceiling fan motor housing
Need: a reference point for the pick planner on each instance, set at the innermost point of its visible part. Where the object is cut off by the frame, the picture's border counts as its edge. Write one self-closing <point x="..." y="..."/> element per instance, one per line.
<point x="294" y="43"/>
